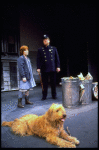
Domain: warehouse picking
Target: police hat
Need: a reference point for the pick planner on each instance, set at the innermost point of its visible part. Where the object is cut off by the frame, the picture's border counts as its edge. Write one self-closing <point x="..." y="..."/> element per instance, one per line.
<point x="45" y="36"/>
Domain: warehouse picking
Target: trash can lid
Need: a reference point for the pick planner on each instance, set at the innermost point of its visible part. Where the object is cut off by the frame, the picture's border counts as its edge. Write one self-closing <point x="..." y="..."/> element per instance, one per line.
<point x="68" y="79"/>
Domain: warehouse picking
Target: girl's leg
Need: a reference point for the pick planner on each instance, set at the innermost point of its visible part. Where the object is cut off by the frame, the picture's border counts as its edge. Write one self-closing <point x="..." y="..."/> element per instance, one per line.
<point x="20" y="95"/>
<point x="27" y="98"/>
<point x="27" y="93"/>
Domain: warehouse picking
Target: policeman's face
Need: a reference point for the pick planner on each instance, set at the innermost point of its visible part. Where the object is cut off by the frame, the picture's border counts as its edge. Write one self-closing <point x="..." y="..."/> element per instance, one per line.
<point x="46" y="42"/>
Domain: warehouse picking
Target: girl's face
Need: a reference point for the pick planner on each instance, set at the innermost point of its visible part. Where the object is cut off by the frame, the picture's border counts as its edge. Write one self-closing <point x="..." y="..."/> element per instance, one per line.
<point x="26" y="52"/>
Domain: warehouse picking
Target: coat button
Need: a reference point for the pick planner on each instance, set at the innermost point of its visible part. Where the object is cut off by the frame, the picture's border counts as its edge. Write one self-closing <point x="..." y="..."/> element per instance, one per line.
<point x="51" y="59"/>
<point x="45" y="60"/>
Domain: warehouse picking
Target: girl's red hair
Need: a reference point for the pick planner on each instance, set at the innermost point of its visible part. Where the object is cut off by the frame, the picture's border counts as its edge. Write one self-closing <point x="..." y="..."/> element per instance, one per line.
<point x="23" y="48"/>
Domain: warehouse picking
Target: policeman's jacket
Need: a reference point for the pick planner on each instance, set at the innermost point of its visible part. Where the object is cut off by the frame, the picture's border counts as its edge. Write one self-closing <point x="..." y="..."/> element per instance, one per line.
<point x="48" y="59"/>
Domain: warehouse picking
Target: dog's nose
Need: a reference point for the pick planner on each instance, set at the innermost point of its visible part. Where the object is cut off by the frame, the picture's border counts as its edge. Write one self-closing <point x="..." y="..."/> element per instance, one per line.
<point x="64" y="115"/>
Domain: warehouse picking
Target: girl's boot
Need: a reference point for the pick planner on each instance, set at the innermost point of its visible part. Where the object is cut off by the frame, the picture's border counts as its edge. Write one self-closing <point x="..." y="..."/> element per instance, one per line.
<point x="20" y="103"/>
<point x="27" y="100"/>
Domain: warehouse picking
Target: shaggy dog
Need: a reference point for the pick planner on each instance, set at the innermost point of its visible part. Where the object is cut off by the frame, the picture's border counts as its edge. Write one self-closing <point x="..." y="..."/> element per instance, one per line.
<point x="49" y="126"/>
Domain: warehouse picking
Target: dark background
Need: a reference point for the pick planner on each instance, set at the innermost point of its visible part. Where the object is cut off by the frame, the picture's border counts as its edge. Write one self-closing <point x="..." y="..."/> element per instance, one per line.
<point x="72" y="29"/>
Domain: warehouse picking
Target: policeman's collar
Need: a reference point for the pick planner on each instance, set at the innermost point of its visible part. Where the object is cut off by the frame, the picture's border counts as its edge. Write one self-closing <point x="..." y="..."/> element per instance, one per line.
<point x="47" y="46"/>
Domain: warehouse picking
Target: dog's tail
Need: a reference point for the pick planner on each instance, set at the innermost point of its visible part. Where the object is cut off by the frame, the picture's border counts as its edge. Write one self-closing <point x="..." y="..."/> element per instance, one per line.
<point x="5" y="123"/>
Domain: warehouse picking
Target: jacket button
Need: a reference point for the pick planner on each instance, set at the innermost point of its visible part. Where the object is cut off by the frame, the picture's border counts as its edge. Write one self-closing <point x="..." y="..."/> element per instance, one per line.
<point x="45" y="60"/>
<point x="51" y="59"/>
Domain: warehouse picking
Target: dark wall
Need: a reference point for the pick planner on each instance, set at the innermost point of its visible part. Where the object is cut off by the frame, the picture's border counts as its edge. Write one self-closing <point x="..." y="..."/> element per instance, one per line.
<point x="74" y="34"/>
<point x="72" y="29"/>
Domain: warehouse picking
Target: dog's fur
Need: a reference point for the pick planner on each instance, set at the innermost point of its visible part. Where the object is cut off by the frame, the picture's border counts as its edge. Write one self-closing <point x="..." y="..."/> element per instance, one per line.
<point x="49" y="126"/>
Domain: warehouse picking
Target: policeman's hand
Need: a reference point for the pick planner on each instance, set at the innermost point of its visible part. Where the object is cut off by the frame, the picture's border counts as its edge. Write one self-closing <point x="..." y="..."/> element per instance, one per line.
<point x="24" y="79"/>
<point x="38" y="70"/>
<point x="58" y="69"/>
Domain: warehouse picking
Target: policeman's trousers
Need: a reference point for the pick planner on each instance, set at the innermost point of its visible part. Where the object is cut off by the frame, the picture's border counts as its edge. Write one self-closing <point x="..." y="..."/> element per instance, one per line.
<point x="45" y="77"/>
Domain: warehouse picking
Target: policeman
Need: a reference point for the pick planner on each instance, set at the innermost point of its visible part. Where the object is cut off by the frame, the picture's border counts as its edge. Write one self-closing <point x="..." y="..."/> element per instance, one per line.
<point x="48" y="63"/>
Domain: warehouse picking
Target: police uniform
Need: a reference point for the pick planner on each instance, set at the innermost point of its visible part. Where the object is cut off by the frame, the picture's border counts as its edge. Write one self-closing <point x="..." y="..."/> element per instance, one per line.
<point x="48" y="61"/>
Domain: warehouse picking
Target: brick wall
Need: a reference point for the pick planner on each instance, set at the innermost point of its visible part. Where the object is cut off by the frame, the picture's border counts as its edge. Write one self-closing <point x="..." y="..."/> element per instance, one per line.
<point x="6" y="73"/>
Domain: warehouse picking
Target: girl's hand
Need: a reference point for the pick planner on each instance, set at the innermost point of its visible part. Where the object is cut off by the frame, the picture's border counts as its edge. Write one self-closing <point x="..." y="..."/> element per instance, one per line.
<point x="24" y="79"/>
<point x="38" y="70"/>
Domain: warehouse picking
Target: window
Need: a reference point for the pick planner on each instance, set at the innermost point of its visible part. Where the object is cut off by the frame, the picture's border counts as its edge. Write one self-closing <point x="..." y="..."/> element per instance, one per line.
<point x="11" y="44"/>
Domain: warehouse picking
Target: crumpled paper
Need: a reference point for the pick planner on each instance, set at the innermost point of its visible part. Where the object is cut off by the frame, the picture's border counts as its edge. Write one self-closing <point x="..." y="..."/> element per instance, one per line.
<point x="88" y="77"/>
<point x="71" y="77"/>
<point x="81" y="77"/>
<point x="82" y="91"/>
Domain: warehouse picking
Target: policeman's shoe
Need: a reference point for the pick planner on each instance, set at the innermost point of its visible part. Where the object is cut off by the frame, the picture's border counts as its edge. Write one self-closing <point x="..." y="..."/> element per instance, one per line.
<point x="54" y="97"/>
<point x="27" y="100"/>
<point x="43" y="98"/>
<point x="20" y="103"/>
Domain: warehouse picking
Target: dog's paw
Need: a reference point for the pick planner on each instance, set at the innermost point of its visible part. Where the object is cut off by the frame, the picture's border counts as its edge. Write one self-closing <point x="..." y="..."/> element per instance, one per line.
<point x="77" y="142"/>
<point x="67" y="144"/>
<point x="72" y="146"/>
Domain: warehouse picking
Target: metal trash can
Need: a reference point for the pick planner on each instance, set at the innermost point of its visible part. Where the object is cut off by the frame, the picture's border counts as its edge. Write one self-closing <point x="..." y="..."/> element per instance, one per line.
<point x="95" y="91"/>
<point x="87" y="96"/>
<point x="70" y="91"/>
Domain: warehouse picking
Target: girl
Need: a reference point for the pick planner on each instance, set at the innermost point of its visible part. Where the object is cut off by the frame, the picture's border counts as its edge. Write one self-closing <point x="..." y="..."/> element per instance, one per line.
<point x="26" y="80"/>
